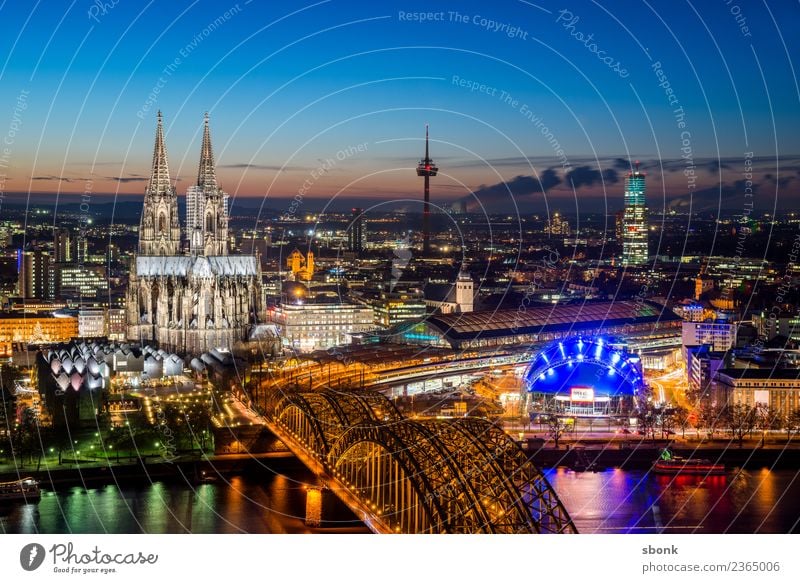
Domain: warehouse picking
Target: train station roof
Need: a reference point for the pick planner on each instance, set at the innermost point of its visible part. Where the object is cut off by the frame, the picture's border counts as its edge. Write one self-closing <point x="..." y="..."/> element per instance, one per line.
<point x="544" y="319"/>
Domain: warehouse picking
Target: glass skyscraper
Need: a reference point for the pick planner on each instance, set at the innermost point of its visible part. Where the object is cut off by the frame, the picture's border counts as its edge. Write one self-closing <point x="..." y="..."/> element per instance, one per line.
<point x="634" y="235"/>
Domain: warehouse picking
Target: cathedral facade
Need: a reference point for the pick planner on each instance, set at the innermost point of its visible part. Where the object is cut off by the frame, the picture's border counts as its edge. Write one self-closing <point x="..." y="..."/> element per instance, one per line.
<point x="189" y="302"/>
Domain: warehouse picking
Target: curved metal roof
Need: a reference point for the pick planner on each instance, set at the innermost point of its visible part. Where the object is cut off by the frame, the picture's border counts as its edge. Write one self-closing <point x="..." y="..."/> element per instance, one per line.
<point x="542" y="319"/>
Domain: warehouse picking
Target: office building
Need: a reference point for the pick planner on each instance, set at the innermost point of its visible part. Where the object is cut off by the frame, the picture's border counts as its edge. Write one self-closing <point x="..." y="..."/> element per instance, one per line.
<point x="92" y="322"/>
<point x="34" y="269"/>
<point x="777" y="388"/>
<point x="720" y="335"/>
<point x="393" y="307"/>
<point x="702" y="366"/>
<point x="76" y="281"/>
<point x="307" y="327"/>
<point x="634" y="236"/>
<point x="356" y="234"/>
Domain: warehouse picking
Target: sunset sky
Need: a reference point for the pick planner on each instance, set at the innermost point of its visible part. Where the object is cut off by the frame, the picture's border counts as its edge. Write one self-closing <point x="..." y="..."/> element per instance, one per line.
<point x="520" y="101"/>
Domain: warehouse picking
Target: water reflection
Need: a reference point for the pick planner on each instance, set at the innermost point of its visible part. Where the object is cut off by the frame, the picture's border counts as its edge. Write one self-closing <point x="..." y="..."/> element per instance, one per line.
<point x="240" y="505"/>
<point x="743" y="501"/>
<point x="613" y="501"/>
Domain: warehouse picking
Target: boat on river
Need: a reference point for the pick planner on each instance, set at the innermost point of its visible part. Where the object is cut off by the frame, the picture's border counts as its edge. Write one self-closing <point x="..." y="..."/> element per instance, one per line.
<point x="672" y="464"/>
<point x="22" y="490"/>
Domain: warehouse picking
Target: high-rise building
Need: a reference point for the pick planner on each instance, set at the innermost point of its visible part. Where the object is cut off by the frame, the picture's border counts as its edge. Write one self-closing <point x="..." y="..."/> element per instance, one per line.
<point x="62" y="246"/>
<point x="634" y="236"/>
<point x="206" y="206"/>
<point x="34" y="269"/>
<point x="79" y="245"/>
<point x="356" y="235"/>
<point x="619" y="226"/>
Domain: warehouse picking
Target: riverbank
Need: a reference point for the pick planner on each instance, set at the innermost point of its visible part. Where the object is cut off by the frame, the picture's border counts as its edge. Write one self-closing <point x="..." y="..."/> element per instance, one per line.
<point x="195" y="469"/>
<point x="642" y="455"/>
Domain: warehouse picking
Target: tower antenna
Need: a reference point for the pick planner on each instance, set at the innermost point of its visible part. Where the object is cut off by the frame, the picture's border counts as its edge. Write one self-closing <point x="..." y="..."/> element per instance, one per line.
<point x="426" y="168"/>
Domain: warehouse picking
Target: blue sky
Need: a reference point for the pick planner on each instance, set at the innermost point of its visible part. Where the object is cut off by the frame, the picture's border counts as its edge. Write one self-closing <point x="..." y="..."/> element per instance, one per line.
<point x="289" y="85"/>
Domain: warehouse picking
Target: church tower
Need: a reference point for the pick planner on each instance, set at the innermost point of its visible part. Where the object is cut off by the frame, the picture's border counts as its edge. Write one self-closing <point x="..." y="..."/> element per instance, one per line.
<point x="206" y="204"/>
<point x="160" y="230"/>
<point x="465" y="292"/>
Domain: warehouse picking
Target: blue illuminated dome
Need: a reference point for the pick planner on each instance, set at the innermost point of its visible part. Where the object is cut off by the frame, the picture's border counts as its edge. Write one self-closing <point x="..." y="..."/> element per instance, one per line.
<point x="599" y="363"/>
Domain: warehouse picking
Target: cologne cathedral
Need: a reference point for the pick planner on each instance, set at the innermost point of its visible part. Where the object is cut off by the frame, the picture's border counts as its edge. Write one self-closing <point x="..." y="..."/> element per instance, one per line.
<point x="192" y="301"/>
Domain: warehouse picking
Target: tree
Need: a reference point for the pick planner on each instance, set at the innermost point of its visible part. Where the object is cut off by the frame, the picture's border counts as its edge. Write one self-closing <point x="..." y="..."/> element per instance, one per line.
<point x="556" y="427"/>
<point x="767" y="418"/>
<point x="198" y="423"/>
<point x="709" y="417"/>
<point x="741" y="419"/>
<point x="59" y="439"/>
<point x="7" y="417"/>
<point x="646" y="419"/>
<point x="791" y="423"/>
<point x="26" y="436"/>
<point x="666" y="421"/>
<point x="132" y="438"/>
<point x="681" y="415"/>
<point x="188" y="424"/>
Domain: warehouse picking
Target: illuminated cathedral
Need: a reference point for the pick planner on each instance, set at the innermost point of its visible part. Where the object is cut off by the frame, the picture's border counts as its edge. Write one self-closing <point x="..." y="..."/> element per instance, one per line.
<point x="200" y="300"/>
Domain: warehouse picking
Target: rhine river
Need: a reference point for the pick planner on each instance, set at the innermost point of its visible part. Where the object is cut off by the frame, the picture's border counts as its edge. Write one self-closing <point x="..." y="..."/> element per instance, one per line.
<point x="613" y="501"/>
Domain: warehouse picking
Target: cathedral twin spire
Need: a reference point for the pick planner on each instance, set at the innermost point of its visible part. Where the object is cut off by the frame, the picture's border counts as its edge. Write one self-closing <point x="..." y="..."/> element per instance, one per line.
<point x="207" y="227"/>
<point x="159" y="177"/>
<point x="206" y="174"/>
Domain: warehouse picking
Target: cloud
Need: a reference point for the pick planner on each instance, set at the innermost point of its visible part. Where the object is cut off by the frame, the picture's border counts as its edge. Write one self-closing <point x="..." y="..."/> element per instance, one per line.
<point x="621" y="164"/>
<point x="274" y="167"/>
<point x="714" y="165"/>
<point x="548" y="179"/>
<point x="126" y="179"/>
<point x="712" y="198"/>
<point x="519" y="161"/>
<point x="520" y="185"/>
<point x="587" y="176"/>
<point x="781" y="182"/>
<point x="53" y="177"/>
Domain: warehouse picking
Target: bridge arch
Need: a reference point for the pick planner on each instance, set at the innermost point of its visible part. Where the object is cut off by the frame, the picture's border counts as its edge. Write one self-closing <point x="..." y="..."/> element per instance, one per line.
<point x="311" y="420"/>
<point x="517" y="481"/>
<point x="376" y="464"/>
<point x="433" y="476"/>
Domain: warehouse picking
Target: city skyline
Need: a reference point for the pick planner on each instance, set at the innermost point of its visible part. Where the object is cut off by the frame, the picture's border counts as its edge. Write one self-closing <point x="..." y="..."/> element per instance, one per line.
<point x="361" y="82"/>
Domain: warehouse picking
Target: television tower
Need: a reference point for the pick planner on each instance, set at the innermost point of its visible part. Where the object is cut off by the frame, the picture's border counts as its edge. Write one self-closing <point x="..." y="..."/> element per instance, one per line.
<point x="427" y="169"/>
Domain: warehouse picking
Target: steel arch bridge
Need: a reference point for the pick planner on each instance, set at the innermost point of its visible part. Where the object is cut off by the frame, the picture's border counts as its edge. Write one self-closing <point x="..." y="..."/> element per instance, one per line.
<point x="435" y="476"/>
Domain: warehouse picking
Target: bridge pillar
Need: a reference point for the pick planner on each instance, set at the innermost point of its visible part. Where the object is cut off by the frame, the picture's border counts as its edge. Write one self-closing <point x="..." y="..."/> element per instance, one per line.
<point x="313" y="506"/>
<point x="319" y="502"/>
